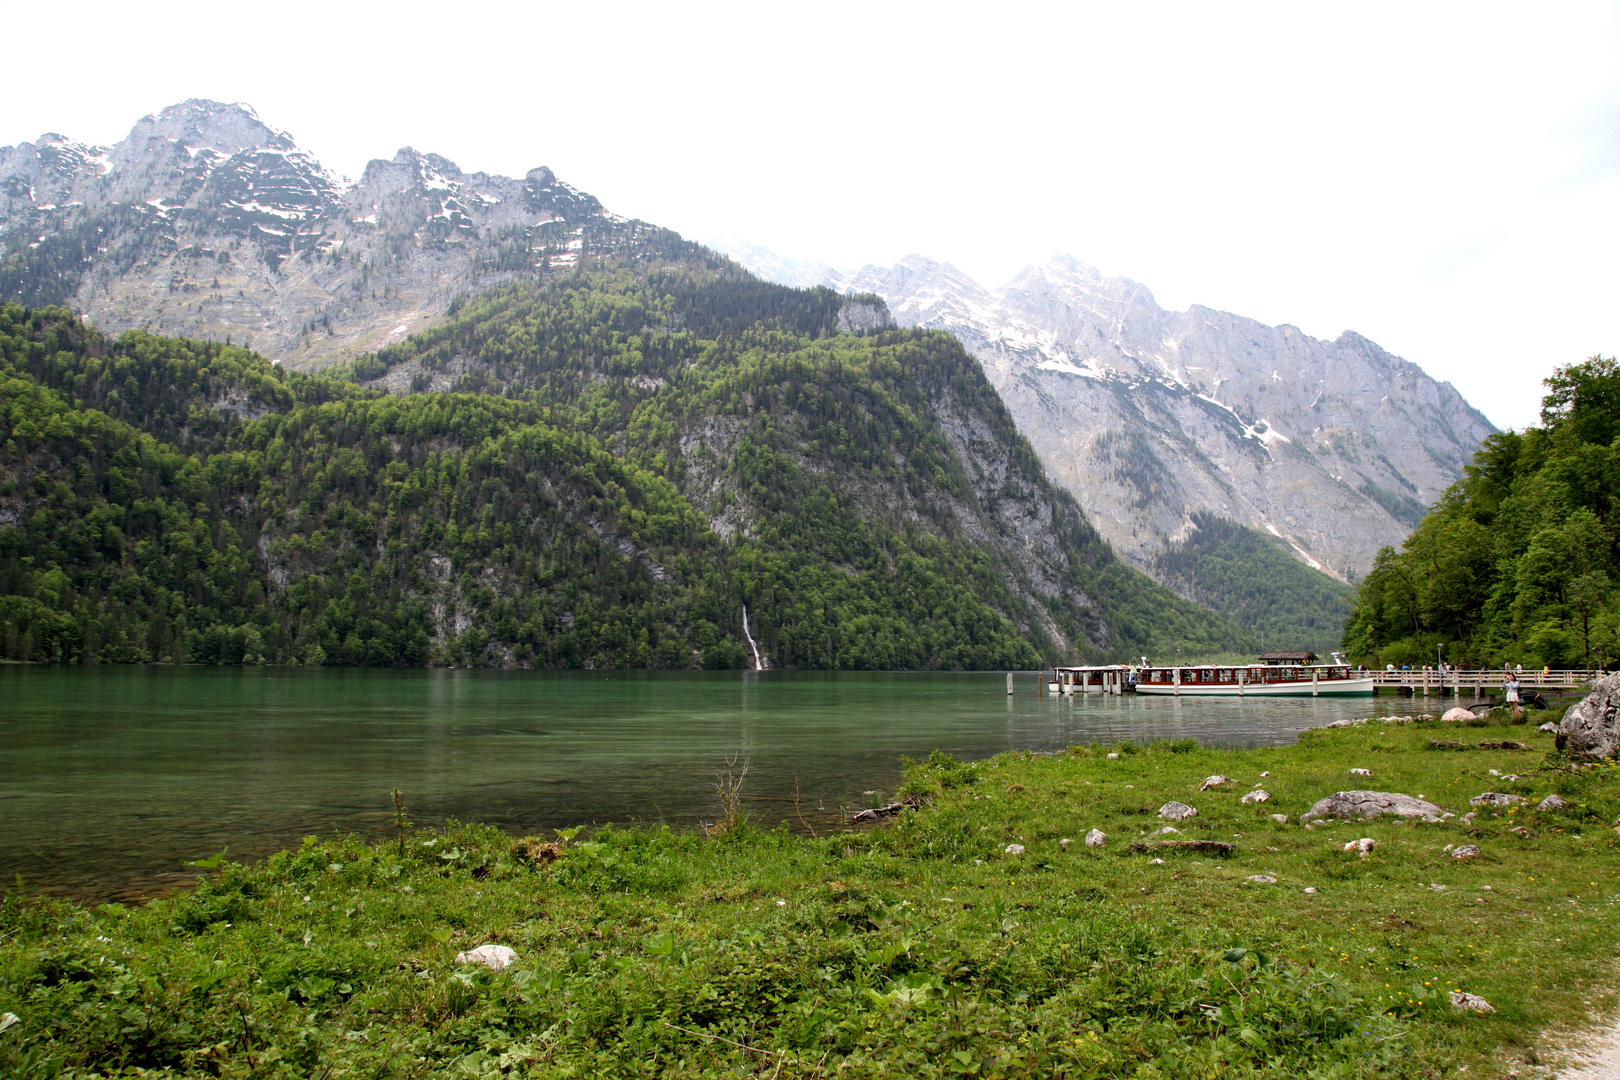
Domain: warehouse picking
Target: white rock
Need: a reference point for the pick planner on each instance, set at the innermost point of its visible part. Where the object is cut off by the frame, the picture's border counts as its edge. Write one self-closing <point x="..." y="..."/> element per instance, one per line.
<point x="1470" y="1001"/>
<point x="8" y="1019"/>
<point x="1013" y="849"/>
<point x="1262" y="879"/>
<point x="1096" y="838"/>
<point x="1551" y="802"/>
<point x="491" y="956"/>
<point x="1264" y="775"/>
<point x="1281" y="819"/>
<point x="1467" y="851"/>
<point x="1155" y="862"/>
<point x="1364" y="845"/>
<point x="1368" y="804"/>
<point x="1458" y="714"/>
<point x="1360" y="772"/>
<point x="1257" y="797"/>
<point x="1177" y="811"/>
<point x="1113" y="757"/>
<point x="1168" y="830"/>
<point x="1550" y="728"/>
<point x="1064" y="843"/>
<point x="1495" y="798"/>
<point x="1215" y="781"/>
<point x="1310" y="890"/>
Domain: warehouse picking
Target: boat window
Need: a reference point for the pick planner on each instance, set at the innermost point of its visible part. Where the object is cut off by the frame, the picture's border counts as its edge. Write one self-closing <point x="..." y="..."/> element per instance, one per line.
<point x="1226" y="674"/>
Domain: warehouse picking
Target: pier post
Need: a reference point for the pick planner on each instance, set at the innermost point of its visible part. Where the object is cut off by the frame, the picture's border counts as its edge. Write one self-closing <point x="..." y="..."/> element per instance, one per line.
<point x="1178" y="682"/>
<point x="1315" y="675"/>
<point x="1009" y="684"/>
<point x="1243" y="674"/>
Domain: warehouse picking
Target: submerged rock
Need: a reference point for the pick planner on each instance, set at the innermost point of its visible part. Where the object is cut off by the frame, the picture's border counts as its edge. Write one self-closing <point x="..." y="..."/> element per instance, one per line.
<point x="1366" y="804"/>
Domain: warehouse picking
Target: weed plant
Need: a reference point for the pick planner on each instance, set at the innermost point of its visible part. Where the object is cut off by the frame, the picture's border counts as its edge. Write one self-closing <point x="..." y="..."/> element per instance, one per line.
<point x="920" y="948"/>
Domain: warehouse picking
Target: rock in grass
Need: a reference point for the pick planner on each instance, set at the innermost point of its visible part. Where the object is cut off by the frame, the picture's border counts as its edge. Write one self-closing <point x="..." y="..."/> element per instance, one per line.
<point x="8" y="1019"/>
<point x="1257" y="796"/>
<point x="1592" y="725"/>
<point x="1458" y="714"/>
<point x="1261" y="879"/>
<point x="1096" y="838"/>
<point x="1215" y="781"/>
<point x="1549" y="727"/>
<point x="1064" y="843"/>
<point x="1364" y="845"/>
<point x="1177" y="811"/>
<point x="1367" y="804"/>
<point x="494" y="957"/>
<point x="1495" y="798"/>
<point x="1551" y="802"/>
<point x="1360" y="772"/>
<point x="1467" y="851"/>
<point x="1113" y="757"/>
<point x="1470" y="1001"/>
<point x="1281" y="819"/>
<point x="1310" y="890"/>
<point x="1168" y="830"/>
<point x="1013" y="849"/>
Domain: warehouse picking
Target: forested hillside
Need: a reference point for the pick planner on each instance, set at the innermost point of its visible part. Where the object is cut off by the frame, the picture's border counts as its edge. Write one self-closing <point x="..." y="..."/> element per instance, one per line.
<point x="1250" y="579"/>
<point x="1517" y="561"/>
<point x="596" y="469"/>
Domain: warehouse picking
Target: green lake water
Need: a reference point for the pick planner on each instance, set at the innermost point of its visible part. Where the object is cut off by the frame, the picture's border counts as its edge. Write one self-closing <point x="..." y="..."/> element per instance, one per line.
<point x="111" y="778"/>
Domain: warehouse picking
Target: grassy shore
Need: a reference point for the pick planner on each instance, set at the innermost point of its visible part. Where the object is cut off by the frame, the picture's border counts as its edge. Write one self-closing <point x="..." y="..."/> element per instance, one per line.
<point x="919" y="948"/>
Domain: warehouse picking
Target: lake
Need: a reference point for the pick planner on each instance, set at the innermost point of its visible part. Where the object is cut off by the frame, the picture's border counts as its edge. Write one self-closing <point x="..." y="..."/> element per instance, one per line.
<point x="113" y="777"/>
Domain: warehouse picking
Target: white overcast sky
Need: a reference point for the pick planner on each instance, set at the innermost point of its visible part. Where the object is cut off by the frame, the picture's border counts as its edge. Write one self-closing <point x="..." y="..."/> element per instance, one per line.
<point x="1443" y="178"/>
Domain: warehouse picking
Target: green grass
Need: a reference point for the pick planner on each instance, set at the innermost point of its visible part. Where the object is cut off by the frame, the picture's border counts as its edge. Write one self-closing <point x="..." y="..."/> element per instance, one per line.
<point x="915" y="949"/>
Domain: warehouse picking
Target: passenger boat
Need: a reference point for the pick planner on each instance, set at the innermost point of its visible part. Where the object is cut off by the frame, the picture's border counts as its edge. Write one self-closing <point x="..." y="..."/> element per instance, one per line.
<point x="1278" y="674"/>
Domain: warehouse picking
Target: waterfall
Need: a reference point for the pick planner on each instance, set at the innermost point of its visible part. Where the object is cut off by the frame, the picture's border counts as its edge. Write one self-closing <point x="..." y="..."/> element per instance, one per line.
<point x="753" y="647"/>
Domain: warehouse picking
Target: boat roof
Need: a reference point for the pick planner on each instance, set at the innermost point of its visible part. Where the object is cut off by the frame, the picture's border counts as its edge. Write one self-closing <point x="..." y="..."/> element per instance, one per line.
<point x="1305" y="657"/>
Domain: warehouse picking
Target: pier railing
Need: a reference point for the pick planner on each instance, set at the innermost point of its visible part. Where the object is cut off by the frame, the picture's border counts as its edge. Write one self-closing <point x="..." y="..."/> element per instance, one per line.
<point x="1457" y="683"/>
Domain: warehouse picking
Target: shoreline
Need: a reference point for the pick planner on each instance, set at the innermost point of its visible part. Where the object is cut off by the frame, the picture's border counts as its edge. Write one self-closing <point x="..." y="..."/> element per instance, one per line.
<point x="856" y="951"/>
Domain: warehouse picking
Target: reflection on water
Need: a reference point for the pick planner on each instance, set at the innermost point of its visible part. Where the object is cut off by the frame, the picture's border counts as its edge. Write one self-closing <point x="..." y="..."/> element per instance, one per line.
<point x="111" y="778"/>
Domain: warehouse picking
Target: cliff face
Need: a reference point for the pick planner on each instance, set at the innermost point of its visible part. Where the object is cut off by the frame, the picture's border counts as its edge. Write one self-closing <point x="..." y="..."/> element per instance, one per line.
<point x="207" y="222"/>
<point x="1152" y="417"/>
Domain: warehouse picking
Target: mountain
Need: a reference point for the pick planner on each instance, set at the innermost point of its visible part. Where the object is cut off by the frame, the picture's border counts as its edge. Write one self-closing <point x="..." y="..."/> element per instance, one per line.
<point x="651" y="459"/>
<point x="1156" y="420"/>
<point x="207" y="222"/>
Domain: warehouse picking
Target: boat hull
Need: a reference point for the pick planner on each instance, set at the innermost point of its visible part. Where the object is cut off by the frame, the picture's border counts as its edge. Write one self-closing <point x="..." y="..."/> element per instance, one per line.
<point x="1292" y="688"/>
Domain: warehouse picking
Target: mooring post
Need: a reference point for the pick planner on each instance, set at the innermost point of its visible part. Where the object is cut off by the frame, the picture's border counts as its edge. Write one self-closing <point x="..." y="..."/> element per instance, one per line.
<point x="1009" y="684"/>
<point x="1178" y="682"/>
<point x="1315" y="677"/>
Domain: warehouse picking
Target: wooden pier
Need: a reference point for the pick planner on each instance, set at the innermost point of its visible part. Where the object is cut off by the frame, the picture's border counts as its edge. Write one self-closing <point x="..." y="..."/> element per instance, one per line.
<point x="1461" y="683"/>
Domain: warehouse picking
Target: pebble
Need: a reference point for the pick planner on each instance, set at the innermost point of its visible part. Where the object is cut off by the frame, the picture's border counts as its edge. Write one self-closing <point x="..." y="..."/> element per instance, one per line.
<point x="1177" y="811"/>
<point x="1470" y="1001"/>
<point x="493" y="957"/>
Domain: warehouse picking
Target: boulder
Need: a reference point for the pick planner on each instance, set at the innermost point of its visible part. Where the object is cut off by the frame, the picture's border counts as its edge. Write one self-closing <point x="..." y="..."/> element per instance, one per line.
<point x="1366" y="804"/>
<point x="1551" y="802"/>
<point x="1495" y="798"/>
<point x="1549" y="727"/>
<point x="1096" y="838"/>
<point x="1458" y="714"/>
<point x="1467" y="851"/>
<point x="1215" y="781"/>
<point x="1256" y="796"/>
<point x="1592" y="725"/>
<point x="1177" y="811"/>
<point x="494" y="957"/>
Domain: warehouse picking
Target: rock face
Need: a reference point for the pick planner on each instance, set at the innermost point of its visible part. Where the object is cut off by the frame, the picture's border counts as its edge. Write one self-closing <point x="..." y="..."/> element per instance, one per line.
<point x="1366" y="804"/>
<point x="1592" y="725"/>
<point x="207" y="222"/>
<point x="1151" y="417"/>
